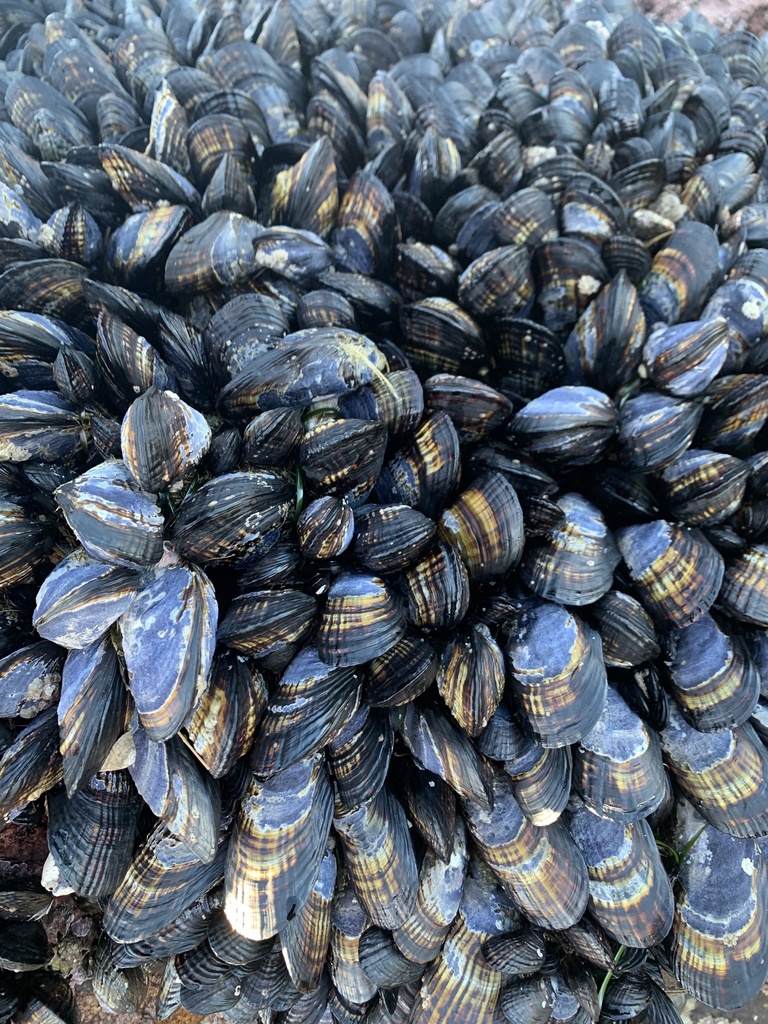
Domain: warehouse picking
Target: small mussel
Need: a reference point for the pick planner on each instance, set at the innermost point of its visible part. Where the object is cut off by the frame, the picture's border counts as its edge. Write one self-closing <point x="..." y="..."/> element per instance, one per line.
<point x="37" y="425"/>
<point x="566" y="426"/>
<point x="379" y="857"/>
<point x="702" y="488"/>
<point x="655" y="429"/>
<point x="475" y="408"/>
<point x="744" y="594"/>
<point x="165" y="689"/>
<point x="485" y="525"/>
<point x="575" y="563"/>
<point x="683" y="360"/>
<point x="681" y="275"/>
<point x="232" y="515"/>
<point x="389" y="537"/>
<point x="162" y="439"/>
<point x="113" y="518"/>
<point x="471" y="677"/>
<point x="325" y="528"/>
<point x="626" y="629"/>
<point x="307" y="708"/>
<point x="343" y="457"/>
<point x="541" y="780"/>
<point x="437" y="589"/>
<point x="361" y="620"/>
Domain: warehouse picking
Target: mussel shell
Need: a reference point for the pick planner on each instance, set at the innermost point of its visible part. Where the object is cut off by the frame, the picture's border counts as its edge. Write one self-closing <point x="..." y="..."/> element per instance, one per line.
<point x="499" y="281"/>
<point x="242" y="329"/>
<point x="383" y="963"/>
<point x="142" y="181"/>
<point x="138" y="249"/>
<point x="441" y="882"/>
<point x="743" y="593"/>
<point x="325" y="528"/>
<point x="605" y="347"/>
<point x="29" y="680"/>
<point x="630" y="893"/>
<point x="437" y="745"/>
<point x="567" y="425"/>
<point x="655" y="429"/>
<point x="440" y="337"/>
<point x="703" y="488"/>
<point x="437" y="589"/>
<point x="710" y="767"/>
<point x="306" y="195"/>
<point x="272" y="437"/>
<point x="431" y="806"/>
<point x="264" y="622"/>
<point x="475" y="408"/>
<point x="379" y="857"/>
<point x="424" y="474"/>
<point x="166" y="687"/>
<point x="113" y="520"/>
<point x="471" y="677"/>
<point x="305" y="938"/>
<point x="37" y="425"/>
<point x="222" y="726"/>
<point x="520" y="953"/>
<point x="162" y="439"/>
<point x="684" y="359"/>
<point x="735" y="411"/>
<point x="618" y="769"/>
<point x="681" y="275"/>
<point x="361" y="620"/>
<point x="396" y="400"/>
<point x="485" y="525"/>
<point x="32" y="764"/>
<point x="306" y="709"/>
<point x="91" y="834"/>
<point x="92" y="710"/>
<point x="539" y="867"/>
<point x="343" y="457"/>
<point x="218" y="252"/>
<point x="22" y="544"/>
<point x="541" y="780"/>
<point x="460" y="985"/>
<point x="557" y="672"/>
<point x="677" y="572"/>
<point x="277" y="847"/>
<point x="231" y="515"/>
<point x="719" y="937"/>
<point x="172" y="784"/>
<point x="528" y="1001"/>
<point x="403" y="672"/>
<point x="389" y="537"/>
<point x="714" y="681"/>
<point x="575" y="563"/>
<point x="626" y="629"/>
<point x="359" y="756"/>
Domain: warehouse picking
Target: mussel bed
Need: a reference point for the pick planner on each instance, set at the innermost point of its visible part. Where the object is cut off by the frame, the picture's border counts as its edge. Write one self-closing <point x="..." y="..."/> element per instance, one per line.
<point x="384" y="508"/>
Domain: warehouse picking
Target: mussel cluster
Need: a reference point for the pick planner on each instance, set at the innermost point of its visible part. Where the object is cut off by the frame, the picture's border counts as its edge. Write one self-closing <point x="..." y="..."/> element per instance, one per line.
<point x="384" y="506"/>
